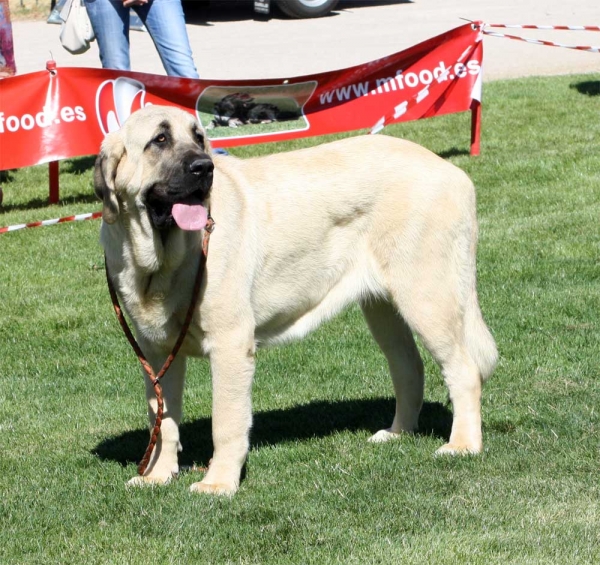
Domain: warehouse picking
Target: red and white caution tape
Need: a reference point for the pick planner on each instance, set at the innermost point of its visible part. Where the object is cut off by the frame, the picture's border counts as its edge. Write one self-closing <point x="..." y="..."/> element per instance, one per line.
<point x="76" y="218"/>
<point x="589" y="48"/>
<point x="546" y="27"/>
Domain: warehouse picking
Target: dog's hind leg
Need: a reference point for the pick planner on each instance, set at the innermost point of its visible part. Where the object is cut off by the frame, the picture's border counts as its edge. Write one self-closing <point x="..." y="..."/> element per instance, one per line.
<point x="404" y="361"/>
<point x="465" y="367"/>
<point x="461" y="344"/>
<point x="163" y="464"/>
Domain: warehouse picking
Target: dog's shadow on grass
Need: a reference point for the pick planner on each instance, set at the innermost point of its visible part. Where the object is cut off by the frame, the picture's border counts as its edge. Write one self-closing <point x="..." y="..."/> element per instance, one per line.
<point x="313" y="420"/>
<point x="588" y="87"/>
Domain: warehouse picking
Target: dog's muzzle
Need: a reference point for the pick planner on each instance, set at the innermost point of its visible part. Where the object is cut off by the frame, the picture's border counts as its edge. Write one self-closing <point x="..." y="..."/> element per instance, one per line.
<point x="184" y="188"/>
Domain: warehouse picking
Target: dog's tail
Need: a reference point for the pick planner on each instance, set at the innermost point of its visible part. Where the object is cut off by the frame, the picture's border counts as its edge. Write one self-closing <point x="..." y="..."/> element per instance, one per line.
<point x="479" y="340"/>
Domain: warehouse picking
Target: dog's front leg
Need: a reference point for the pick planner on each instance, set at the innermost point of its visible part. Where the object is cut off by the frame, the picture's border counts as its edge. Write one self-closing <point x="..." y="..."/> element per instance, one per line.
<point x="232" y="367"/>
<point x="163" y="464"/>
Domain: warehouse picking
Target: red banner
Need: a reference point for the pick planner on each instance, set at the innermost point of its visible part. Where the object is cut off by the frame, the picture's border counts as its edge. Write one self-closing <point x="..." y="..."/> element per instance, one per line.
<point x="65" y="112"/>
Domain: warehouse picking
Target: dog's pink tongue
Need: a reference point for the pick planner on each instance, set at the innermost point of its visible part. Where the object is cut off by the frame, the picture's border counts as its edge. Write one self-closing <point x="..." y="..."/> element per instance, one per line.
<point x="190" y="218"/>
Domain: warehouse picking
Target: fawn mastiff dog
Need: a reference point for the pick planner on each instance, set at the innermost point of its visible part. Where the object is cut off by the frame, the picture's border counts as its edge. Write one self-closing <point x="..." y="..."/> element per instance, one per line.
<point x="298" y="236"/>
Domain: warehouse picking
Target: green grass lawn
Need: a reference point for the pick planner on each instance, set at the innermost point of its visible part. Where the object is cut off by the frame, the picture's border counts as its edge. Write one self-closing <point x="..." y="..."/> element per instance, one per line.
<point x="72" y="408"/>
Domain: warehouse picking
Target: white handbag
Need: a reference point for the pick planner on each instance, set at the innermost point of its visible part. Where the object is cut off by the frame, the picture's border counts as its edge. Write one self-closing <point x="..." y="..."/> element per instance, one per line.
<point x="76" y="30"/>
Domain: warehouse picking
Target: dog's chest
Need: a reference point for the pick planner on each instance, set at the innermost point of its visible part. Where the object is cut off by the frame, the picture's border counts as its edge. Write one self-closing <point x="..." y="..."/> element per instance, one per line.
<point x="155" y="308"/>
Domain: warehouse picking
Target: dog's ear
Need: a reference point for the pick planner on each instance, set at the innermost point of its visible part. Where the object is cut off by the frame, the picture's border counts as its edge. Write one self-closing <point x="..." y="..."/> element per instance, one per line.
<point x="105" y="171"/>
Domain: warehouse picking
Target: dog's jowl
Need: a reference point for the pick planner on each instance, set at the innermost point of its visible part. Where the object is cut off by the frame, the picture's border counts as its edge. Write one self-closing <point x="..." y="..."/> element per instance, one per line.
<point x="299" y="236"/>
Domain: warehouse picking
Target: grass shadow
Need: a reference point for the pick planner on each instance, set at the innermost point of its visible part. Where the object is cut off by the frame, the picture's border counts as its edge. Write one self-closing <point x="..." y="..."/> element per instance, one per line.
<point x="79" y="165"/>
<point x="307" y="421"/>
<point x="75" y="166"/>
<point x="588" y="87"/>
<point x="38" y="203"/>
<point x="453" y="152"/>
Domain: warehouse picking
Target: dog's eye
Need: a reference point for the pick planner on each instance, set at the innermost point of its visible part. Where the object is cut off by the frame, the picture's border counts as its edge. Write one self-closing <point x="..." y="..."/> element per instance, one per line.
<point x="199" y="138"/>
<point x="160" y="138"/>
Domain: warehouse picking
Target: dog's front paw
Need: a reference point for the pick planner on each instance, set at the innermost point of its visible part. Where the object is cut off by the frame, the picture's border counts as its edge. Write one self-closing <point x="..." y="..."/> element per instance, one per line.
<point x="221" y="489"/>
<point x="146" y="481"/>
<point x="456" y="449"/>
<point x="384" y="435"/>
<point x="223" y="482"/>
<point x="149" y="480"/>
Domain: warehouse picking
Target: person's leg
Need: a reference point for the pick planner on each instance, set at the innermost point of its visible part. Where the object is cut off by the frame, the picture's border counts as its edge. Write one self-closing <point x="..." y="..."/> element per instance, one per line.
<point x="165" y="22"/>
<point x="110" y="20"/>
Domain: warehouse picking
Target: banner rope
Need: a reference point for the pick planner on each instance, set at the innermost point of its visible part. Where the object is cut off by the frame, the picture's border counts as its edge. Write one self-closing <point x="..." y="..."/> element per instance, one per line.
<point x="75" y="218"/>
<point x="546" y="27"/>
<point x="588" y="48"/>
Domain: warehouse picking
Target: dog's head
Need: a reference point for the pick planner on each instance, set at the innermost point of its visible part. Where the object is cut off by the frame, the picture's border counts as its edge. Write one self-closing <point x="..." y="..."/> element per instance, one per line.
<point x="158" y="163"/>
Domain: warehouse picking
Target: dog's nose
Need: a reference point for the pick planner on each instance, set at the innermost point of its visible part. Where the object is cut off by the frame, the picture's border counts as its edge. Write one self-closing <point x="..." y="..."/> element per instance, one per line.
<point x="202" y="167"/>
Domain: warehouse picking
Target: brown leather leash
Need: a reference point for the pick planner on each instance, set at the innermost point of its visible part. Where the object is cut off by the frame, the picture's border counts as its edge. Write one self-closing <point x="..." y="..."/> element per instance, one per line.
<point x="155" y="378"/>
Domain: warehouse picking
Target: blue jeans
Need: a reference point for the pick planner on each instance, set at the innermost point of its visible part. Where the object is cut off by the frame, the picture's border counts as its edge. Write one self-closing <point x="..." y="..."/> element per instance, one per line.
<point x="163" y="19"/>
